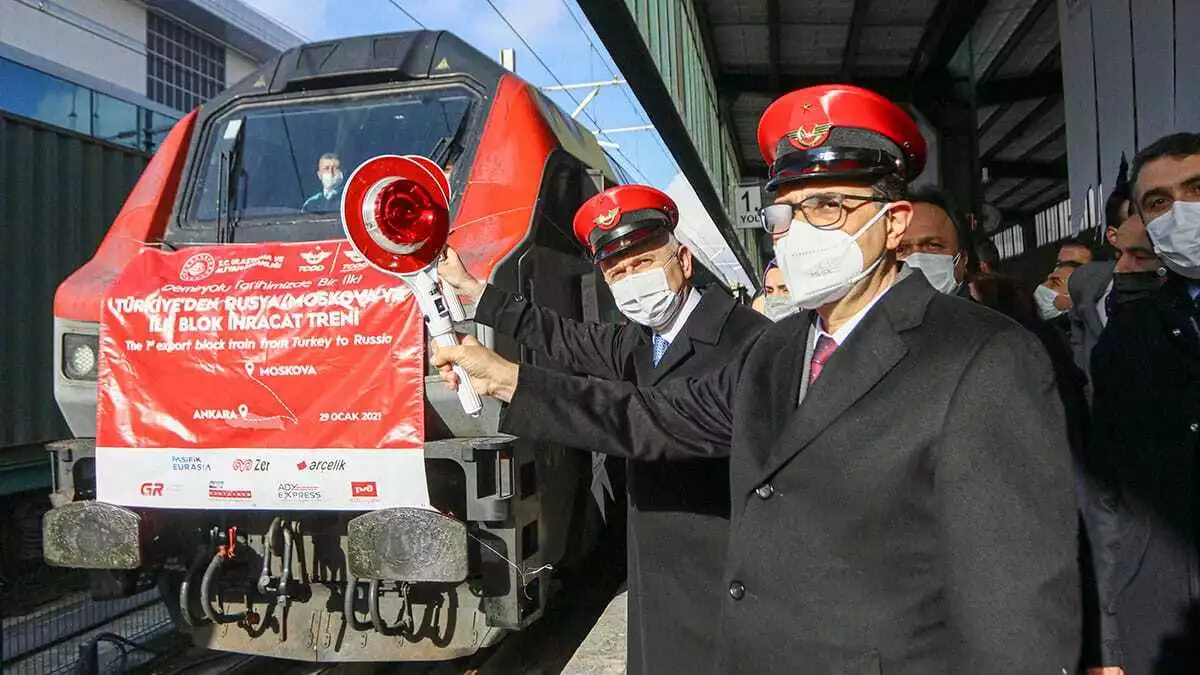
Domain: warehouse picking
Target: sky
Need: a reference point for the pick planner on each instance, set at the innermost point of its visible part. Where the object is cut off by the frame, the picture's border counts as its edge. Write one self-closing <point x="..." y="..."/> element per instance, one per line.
<point x="557" y="31"/>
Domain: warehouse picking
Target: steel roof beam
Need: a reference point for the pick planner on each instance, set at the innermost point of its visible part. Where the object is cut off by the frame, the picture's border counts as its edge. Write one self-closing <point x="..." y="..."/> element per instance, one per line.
<point x="1010" y="46"/>
<point x="947" y="28"/>
<point x="896" y="88"/>
<point x="1025" y="169"/>
<point x="774" y="45"/>
<point x="1023" y="88"/>
<point x="858" y="19"/>
<point x="1019" y="129"/>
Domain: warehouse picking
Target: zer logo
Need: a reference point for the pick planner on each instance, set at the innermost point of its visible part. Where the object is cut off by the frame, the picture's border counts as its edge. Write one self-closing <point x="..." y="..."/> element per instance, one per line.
<point x="151" y="489"/>
<point x="363" y="489"/>
<point x="255" y="464"/>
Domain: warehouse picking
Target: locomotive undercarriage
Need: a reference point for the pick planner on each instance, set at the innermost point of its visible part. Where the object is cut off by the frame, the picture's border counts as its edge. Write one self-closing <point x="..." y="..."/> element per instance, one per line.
<point x="394" y="584"/>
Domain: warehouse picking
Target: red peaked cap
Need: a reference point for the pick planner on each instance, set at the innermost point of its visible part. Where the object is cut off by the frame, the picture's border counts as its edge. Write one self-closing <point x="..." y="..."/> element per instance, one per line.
<point x="838" y="131"/>
<point x="622" y="217"/>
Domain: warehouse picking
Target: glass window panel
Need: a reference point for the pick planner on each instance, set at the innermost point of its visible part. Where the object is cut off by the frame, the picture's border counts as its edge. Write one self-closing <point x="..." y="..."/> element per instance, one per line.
<point x="43" y="97"/>
<point x="115" y="120"/>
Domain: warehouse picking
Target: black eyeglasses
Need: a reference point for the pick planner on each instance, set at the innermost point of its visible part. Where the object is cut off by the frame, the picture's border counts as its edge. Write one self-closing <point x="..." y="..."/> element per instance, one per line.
<point x="824" y="211"/>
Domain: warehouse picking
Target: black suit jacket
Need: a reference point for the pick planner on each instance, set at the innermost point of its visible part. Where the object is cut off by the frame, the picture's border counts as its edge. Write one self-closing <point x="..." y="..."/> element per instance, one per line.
<point x="914" y="516"/>
<point x="1144" y="520"/>
<point x="678" y="524"/>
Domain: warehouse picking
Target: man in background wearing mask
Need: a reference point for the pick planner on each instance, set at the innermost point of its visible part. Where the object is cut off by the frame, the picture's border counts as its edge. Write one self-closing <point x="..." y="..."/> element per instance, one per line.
<point x="902" y="489"/>
<point x="1146" y="417"/>
<point x="678" y="521"/>
<point x="777" y="302"/>
<point x="1053" y="300"/>
<point x="1099" y="289"/>
<point x="938" y="242"/>
<point x="329" y="172"/>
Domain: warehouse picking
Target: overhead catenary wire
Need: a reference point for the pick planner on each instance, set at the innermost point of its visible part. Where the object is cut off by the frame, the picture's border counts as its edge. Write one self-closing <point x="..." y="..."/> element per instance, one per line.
<point x="637" y="110"/>
<point x="405" y="12"/>
<point x="537" y="57"/>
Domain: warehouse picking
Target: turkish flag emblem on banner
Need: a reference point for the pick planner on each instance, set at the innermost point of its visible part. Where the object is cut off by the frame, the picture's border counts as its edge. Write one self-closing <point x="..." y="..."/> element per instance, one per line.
<point x="279" y="375"/>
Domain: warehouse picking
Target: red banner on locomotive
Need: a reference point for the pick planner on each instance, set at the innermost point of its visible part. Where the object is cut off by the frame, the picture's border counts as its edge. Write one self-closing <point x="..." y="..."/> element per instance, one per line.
<point x="269" y="375"/>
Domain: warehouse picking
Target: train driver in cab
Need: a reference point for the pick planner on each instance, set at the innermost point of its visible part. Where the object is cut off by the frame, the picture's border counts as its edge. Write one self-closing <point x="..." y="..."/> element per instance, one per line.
<point x="679" y="512"/>
<point x="900" y="474"/>
<point x="329" y="198"/>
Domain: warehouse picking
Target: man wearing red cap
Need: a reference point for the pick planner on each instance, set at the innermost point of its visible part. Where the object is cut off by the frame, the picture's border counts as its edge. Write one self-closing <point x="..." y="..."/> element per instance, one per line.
<point x="901" y="485"/>
<point x="678" y="521"/>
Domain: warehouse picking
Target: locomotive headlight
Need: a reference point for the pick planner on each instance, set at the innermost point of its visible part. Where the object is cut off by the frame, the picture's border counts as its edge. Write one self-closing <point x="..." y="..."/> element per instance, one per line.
<point x="80" y="356"/>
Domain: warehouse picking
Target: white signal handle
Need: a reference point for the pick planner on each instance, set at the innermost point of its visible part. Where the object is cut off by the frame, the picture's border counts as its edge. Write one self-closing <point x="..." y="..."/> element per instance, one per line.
<point x="436" y="309"/>
<point x="454" y="305"/>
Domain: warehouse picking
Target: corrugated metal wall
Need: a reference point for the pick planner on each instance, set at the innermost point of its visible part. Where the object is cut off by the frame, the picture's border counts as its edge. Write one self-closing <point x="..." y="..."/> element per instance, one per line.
<point x="59" y="191"/>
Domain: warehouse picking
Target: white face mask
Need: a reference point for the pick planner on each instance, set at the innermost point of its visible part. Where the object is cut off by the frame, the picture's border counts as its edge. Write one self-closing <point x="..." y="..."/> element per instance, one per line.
<point x="779" y="307"/>
<point x="1176" y="237"/>
<point x="1044" y="297"/>
<point x="938" y="269"/>
<point x="647" y="298"/>
<point x="821" y="266"/>
<point x="330" y="180"/>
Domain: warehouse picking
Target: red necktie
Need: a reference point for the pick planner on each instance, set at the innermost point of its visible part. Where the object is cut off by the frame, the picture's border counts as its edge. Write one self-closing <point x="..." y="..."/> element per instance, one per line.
<point x="824" y="349"/>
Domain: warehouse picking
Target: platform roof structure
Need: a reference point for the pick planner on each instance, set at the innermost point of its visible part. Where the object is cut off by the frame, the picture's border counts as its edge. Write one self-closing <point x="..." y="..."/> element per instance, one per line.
<point x="984" y="73"/>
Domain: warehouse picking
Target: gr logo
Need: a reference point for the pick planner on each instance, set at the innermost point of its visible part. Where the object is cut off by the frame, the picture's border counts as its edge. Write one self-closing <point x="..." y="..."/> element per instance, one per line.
<point x="151" y="489"/>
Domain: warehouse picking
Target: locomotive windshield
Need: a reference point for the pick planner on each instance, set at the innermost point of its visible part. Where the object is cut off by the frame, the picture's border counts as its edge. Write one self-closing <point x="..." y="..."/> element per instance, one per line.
<point x="287" y="161"/>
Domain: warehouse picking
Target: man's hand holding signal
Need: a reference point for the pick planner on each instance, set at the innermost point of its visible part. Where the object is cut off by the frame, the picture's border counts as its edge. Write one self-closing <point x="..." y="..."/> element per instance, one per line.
<point x="491" y="375"/>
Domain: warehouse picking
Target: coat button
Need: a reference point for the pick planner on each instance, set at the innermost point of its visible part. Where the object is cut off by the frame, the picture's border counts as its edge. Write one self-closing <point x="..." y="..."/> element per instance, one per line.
<point x="736" y="590"/>
<point x="1194" y="427"/>
<point x="764" y="491"/>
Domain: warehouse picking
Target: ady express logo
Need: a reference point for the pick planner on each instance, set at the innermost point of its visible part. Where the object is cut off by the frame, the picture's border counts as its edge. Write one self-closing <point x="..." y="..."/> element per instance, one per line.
<point x="363" y="489"/>
<point x="297" y="492"/>
<point x="325" y="465"/>
<point x="151" y="489"/>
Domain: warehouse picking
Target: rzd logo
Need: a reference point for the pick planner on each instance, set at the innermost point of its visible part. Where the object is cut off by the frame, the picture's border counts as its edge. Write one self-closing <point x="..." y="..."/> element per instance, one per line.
<point x="151" y="489"/>
<point x="363" y="489"/>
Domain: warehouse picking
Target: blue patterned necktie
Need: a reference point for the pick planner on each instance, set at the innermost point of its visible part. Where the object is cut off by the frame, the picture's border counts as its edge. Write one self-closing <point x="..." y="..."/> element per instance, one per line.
<point x="660" y="348"/>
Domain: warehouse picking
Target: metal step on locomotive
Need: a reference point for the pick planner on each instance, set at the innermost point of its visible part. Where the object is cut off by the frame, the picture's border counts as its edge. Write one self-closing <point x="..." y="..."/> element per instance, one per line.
<point x="356" y="577"/>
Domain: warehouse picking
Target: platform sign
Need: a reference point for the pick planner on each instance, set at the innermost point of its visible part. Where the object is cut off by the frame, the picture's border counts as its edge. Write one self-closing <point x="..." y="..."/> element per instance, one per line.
<point x="747" y="204"/>
<point x="263" y="376"/>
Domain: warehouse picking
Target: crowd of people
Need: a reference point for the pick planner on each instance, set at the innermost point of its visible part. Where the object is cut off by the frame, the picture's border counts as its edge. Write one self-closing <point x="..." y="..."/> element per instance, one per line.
<point x="906" y="461"/>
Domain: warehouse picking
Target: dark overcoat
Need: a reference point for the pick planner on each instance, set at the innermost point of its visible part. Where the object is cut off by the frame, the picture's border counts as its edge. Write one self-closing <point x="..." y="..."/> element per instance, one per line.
<point x="678" y="522"/>
<point x="913" y="516"/>
<point x="1144" y="521"/>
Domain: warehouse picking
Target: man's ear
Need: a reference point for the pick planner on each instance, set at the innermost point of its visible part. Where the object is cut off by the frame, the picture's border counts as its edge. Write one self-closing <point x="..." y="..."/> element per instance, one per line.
<point x="898" y="218"/>
<point x="685" y="261"/>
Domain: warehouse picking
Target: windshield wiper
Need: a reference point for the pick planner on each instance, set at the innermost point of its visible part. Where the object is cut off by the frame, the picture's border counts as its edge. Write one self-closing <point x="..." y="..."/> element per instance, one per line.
<point x="449" y="143"/>
<point x="230" y="164"/>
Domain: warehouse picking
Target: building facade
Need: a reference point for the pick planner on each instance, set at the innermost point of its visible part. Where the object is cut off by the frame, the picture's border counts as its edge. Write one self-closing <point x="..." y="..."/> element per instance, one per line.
<point x="126" y="70"/>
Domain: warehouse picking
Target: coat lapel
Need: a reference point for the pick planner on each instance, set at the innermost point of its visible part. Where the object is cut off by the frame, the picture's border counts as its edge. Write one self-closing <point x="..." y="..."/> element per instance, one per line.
<point x="871" y="351"/>
<point x="703" y="326"/>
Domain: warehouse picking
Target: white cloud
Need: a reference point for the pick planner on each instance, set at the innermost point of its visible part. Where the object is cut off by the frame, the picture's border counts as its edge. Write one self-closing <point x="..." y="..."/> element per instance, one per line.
<point x="306" y="18"/>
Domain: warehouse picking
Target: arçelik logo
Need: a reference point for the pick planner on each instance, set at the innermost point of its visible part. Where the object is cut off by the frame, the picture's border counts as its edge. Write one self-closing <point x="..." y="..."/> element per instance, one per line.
<point x="322" y="465"/>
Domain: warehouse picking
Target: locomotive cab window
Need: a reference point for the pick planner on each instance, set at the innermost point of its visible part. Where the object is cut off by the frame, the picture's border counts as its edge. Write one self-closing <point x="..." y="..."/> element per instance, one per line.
<point x="275" y="172"/>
